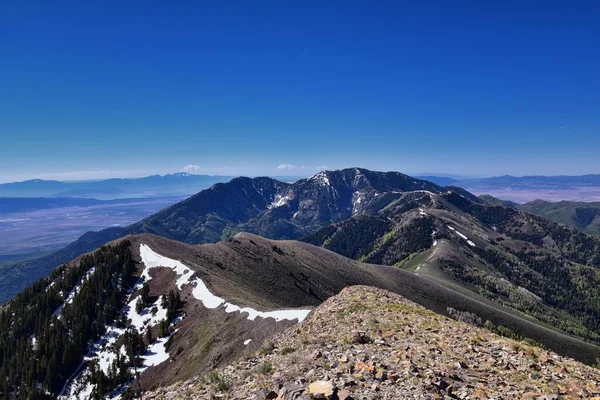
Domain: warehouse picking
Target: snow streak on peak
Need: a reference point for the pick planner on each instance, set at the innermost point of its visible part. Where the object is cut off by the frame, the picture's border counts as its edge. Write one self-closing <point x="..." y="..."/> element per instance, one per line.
<point x="279" y="201"/>
<point x="322" y="178"/>
<point x="357" y="199"/>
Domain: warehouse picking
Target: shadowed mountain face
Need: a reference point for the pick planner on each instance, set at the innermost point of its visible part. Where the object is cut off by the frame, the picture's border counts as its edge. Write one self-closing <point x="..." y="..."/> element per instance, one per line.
<point x="263" y="206"/>
<point x="275" y="209"/>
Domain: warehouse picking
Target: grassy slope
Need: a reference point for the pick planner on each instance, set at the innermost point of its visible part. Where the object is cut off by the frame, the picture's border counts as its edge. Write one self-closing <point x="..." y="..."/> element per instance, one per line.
<point x="580" y="215"/>
<point x="493" y="201"/>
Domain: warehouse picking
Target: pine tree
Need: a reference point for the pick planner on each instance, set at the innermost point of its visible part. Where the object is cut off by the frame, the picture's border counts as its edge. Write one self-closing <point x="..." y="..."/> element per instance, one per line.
<point x="163" y="328"/>
<point x="149" y="339"/>
<point x="139" y="305"/>
<point x="146" y="294"/>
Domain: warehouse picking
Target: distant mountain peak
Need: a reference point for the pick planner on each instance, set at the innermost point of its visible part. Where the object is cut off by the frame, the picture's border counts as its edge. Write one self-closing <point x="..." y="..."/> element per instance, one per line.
<point x="321" y="177"/>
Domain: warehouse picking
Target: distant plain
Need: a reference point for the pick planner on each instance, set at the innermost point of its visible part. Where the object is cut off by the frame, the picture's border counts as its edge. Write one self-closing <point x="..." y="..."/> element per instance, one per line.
<point x="524" y="195"/>
<point x="31" y="233"/>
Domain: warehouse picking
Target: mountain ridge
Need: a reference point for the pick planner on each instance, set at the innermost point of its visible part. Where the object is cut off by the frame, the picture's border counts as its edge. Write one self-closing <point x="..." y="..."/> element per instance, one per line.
<point x="584" y="216"/>
<point x="106" y="189"/>
<point x="140" y="299"/>
<point x="382" y="345"/>
<point x="507" y="255"/>
<point x="185" y="287"/>
<point x="262" y="205"/>
<point x="389" y="218"/>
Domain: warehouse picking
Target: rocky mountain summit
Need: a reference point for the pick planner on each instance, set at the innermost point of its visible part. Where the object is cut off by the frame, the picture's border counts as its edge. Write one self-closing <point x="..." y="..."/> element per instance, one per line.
<point x="367" y="343"/>
<point x="278" y="210"/>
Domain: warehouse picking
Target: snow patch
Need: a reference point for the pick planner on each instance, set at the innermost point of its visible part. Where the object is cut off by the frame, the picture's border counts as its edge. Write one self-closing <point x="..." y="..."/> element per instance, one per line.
<point x="279" y="201"/>
<point x="156" y="353"/>
<point x="108" y="356"/>
<point x="80" y="391"/>
<point x="202" y="293"/>
<point x="154" y="260"/>
<point x="470" y="243"/>
<point x="74" y="291"/>
<point x="146" y="317"/>
<point x="77" y="288"/>
<point x="105" y="353"/>
<point x="322" y="178"/>
<point x="357" y="199"/>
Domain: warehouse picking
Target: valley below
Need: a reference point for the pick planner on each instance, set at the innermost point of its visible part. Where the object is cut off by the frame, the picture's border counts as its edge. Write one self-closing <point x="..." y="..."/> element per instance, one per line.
<point x="32" y="232"/>
<point x="525" y="195"/>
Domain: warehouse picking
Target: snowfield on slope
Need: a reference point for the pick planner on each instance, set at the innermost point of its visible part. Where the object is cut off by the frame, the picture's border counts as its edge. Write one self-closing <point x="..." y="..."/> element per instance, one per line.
<point x="201" y="292"/>
<point x="279" y="201"/>
<point x="105" y="351"/>
<point x="470" y="243"/>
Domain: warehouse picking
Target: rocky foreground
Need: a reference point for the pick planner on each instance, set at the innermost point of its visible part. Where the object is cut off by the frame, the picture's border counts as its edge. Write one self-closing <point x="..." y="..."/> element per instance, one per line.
<point x="367" y="343"/>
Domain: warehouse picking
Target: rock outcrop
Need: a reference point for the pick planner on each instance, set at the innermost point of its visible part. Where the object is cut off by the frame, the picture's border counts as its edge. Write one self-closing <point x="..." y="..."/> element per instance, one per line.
<point x="367" y="343"/>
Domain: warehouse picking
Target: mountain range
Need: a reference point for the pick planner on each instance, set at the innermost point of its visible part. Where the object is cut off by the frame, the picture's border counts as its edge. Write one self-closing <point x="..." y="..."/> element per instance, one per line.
<point x="584" y="216"/>
<point x="160" y="289"/>
<point x="264" y="206"/>
<point x="524" y="189"/>
<point x="180" y="183"/>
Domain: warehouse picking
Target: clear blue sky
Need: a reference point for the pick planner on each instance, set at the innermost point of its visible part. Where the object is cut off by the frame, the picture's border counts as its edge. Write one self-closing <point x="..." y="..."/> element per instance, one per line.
<point x="92" y="89"/>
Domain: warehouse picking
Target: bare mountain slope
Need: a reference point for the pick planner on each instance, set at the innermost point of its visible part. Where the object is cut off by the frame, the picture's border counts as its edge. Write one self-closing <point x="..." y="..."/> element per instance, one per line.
<point x="198" y="307"/>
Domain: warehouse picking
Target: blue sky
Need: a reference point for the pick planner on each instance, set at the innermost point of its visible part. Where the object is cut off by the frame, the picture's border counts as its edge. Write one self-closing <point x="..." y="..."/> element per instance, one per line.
<point x="99" y="89"/>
